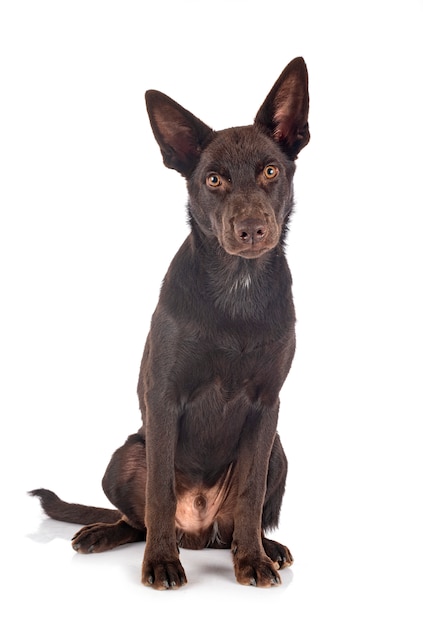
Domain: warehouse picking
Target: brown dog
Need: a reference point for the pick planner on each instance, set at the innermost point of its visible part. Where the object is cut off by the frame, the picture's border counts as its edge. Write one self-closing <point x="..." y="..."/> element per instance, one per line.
<point x="207" y="467"/>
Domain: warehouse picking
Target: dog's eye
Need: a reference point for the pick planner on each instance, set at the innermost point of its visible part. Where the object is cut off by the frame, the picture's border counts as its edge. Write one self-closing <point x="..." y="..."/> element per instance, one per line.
<point x="270" y="171"/>
<point x="214" y="180"/>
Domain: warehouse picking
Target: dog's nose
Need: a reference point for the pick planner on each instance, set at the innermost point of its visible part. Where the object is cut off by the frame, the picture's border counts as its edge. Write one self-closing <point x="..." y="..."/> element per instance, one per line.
<point x="251" y="230"/>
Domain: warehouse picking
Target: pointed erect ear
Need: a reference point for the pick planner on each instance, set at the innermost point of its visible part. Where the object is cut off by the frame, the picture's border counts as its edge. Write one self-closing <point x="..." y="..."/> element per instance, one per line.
<point x="180" y="135"/>
<point x="284" y="113"/>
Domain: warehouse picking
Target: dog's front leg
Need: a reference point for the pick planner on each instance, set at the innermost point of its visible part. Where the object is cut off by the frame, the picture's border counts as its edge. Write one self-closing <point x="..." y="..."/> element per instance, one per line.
<point x="161" y="568"/>
<point x="252" y="565"/>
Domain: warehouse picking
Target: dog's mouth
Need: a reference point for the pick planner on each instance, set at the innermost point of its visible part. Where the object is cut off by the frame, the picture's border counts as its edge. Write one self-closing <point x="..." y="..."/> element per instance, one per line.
<point x="253" y="252"/>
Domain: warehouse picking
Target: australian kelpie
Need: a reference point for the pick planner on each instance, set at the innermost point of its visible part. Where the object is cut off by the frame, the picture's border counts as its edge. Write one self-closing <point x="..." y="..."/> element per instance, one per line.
<point x="207" y="468"/>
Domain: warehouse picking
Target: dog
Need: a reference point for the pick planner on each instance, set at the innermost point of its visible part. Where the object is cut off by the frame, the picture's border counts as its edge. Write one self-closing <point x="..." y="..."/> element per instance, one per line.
<point x="207" y="468"/>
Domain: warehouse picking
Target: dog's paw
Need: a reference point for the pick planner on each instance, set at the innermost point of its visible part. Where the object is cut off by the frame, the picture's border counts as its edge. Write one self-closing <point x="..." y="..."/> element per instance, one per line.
<point x="255" y="568"/>
<point x="95" y="538"/>
<point x="101" y="537"/>
<point x="279" y="554"/>
<point x="163" y="574"/>
<point x="256" y="572"/>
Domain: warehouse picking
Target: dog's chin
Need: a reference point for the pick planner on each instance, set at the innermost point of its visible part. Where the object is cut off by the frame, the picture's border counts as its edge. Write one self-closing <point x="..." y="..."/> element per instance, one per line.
<point x="250" y="252"/>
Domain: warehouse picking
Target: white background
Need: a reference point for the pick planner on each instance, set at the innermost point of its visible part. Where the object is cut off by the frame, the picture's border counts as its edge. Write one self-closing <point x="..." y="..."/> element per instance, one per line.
<point x="90" y="219"/>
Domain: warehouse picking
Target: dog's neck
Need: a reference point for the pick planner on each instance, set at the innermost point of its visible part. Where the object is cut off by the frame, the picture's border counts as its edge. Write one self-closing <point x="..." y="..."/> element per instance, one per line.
<point x="242" y="282"/>
<point x="239" y="287"/>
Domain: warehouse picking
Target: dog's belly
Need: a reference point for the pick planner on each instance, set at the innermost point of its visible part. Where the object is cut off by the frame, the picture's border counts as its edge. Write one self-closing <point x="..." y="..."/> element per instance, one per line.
<point x="204" y="513"/>
<point x="197" y="509"/>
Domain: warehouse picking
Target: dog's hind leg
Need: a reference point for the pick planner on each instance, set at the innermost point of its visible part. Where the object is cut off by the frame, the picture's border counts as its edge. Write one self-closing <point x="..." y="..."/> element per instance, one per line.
<point x="101" y="537"/>
<point x="124" y="482"/>
<point x="279" y="554"/>
<point x="124" y="485"/>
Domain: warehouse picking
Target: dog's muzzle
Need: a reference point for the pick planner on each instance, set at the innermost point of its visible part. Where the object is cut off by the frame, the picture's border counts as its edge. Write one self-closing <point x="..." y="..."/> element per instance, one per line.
<point x="250" y="237"/>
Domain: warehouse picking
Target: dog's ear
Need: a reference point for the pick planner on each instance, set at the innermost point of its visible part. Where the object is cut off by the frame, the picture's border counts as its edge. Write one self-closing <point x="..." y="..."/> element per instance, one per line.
<point x="284" y="113"/>
<point x="180" y="135"/>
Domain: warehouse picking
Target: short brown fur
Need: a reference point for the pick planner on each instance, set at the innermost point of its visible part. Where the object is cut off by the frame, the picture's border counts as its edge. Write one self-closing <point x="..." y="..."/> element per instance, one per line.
<point x="207" y="468"/>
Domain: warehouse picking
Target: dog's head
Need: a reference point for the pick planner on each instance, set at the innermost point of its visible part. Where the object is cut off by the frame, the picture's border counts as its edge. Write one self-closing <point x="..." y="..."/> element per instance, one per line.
<point x="239" y="179"/>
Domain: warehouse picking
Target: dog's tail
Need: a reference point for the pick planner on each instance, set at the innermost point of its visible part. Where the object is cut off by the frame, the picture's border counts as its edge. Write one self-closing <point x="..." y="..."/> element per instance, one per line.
<point x="74" y="513"/>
